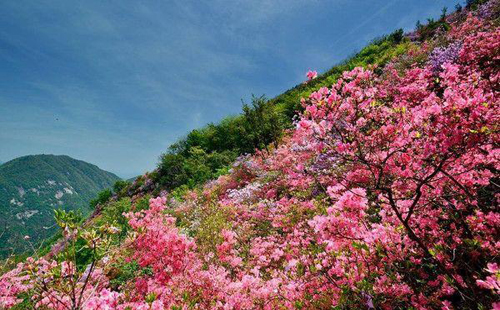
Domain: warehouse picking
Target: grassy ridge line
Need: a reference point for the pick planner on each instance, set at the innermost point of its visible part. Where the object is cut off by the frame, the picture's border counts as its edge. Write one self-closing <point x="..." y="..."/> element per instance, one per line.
<point x="206" y="153"/>
<point x="379" y="52"/>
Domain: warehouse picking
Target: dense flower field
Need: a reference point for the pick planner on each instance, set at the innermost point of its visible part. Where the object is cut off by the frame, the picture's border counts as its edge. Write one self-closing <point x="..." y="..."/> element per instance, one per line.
<point x="384" y="196"/>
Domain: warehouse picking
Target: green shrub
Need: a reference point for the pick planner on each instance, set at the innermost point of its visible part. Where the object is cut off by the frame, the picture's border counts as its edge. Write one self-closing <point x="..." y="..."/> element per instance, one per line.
<point x="120" y="186"/>
<point x="123" y="272"/>
<point x="102" y="198"/>
<point x="142" y="204"/>
<point x="113" y="213"/>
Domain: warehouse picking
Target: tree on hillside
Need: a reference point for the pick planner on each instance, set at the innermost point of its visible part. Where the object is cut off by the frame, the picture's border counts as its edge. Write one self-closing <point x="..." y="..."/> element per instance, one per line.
<point x="263" y="124"/>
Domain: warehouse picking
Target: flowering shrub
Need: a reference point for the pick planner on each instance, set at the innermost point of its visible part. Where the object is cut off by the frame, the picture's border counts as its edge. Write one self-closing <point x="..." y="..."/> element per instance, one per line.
<point x="444" y="55"/>
<point x="62" y="284"/>
<point x="12" y="284"/>
<point x="311" y="74"/>
<point x="489" y="9"/>
<point x="384" y="196"/>
<point x="492" y="282"/>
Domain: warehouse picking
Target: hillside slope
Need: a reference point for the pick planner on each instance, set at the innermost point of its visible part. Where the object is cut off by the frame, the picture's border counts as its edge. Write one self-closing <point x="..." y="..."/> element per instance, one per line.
<point x="32" y="186"/>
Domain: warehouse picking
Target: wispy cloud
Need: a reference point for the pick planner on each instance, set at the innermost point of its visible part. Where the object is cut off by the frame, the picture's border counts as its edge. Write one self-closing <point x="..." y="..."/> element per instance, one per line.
<point x="115" y="82"/>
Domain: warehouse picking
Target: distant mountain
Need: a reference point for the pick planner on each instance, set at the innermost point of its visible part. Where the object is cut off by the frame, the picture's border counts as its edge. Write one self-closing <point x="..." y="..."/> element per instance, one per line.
<point x="31" y="187"/>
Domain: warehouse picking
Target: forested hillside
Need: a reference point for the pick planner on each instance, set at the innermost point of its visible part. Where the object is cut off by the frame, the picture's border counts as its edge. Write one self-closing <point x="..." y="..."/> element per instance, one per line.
<point x="31" y="187"/>
<point x="372" y="186"/>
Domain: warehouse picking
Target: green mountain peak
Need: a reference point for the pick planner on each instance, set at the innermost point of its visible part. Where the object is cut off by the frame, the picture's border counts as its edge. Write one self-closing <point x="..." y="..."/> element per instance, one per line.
<point x="32" y="186"/>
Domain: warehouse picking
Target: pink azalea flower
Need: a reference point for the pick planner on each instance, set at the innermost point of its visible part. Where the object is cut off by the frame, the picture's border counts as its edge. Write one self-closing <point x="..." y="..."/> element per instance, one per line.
<point x="311" y="74"/>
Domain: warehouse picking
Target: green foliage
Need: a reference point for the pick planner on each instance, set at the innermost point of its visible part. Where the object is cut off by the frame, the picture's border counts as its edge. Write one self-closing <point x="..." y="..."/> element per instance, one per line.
<point x="379" y="52"/>
<point x="429" y="30"/>
<point x="26" y="304"/>
<point x="113" y="213"/>
<point x="123" y="272"/>
<point x="142" y="203"/>
<point x="207" y="153"/>
<point x="418" y="25"/>
<point x="68" y="220"/>
<point x="397" y="36"/>
<point x="212" y="219"/>
<point x="102" y="198"/>
<point x="192" y="169"/>
<point x="120" y="187"/>
<point x="263" y="124"/>
<point x="32" y="186"/>
<point x="179" y="192"/>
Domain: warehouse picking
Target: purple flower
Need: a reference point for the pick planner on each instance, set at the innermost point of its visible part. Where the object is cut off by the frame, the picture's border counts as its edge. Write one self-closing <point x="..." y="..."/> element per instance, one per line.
<point x="246" y="193"/>
<point x="323" y="163"/>
<point x="442" y="55"/>
<point x="413" y="36"/>
<point x="368" y="300"/>
<point x="488" y="9"/>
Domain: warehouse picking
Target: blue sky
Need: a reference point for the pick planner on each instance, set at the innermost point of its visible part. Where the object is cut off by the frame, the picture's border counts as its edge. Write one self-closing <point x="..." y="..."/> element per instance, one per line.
<point x="115" y="82"/>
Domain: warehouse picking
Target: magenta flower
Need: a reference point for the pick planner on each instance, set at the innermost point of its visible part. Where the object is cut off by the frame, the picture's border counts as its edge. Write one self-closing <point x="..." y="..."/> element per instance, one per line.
<point x="312" y="75"/>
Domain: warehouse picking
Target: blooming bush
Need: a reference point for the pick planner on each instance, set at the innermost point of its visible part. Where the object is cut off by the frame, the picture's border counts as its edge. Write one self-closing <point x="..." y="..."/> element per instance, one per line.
<point x="312" y="74"/>
<point x="444" y="55"/>
<point x="64" y="283"/>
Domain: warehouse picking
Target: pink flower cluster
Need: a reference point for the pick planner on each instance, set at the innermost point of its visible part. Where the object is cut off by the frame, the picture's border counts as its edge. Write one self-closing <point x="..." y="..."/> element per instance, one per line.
<point x="312" y="74"/>
<point x="12" y="284"/>
<point x="49" y="284"/>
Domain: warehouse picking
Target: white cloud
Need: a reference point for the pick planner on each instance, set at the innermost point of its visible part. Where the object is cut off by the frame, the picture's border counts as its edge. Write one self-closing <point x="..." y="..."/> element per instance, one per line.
<point x="125" y="79"/>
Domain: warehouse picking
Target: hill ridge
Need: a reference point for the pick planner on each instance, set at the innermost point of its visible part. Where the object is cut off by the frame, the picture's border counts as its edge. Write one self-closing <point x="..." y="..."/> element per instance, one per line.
<point x="31" y="186"/>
